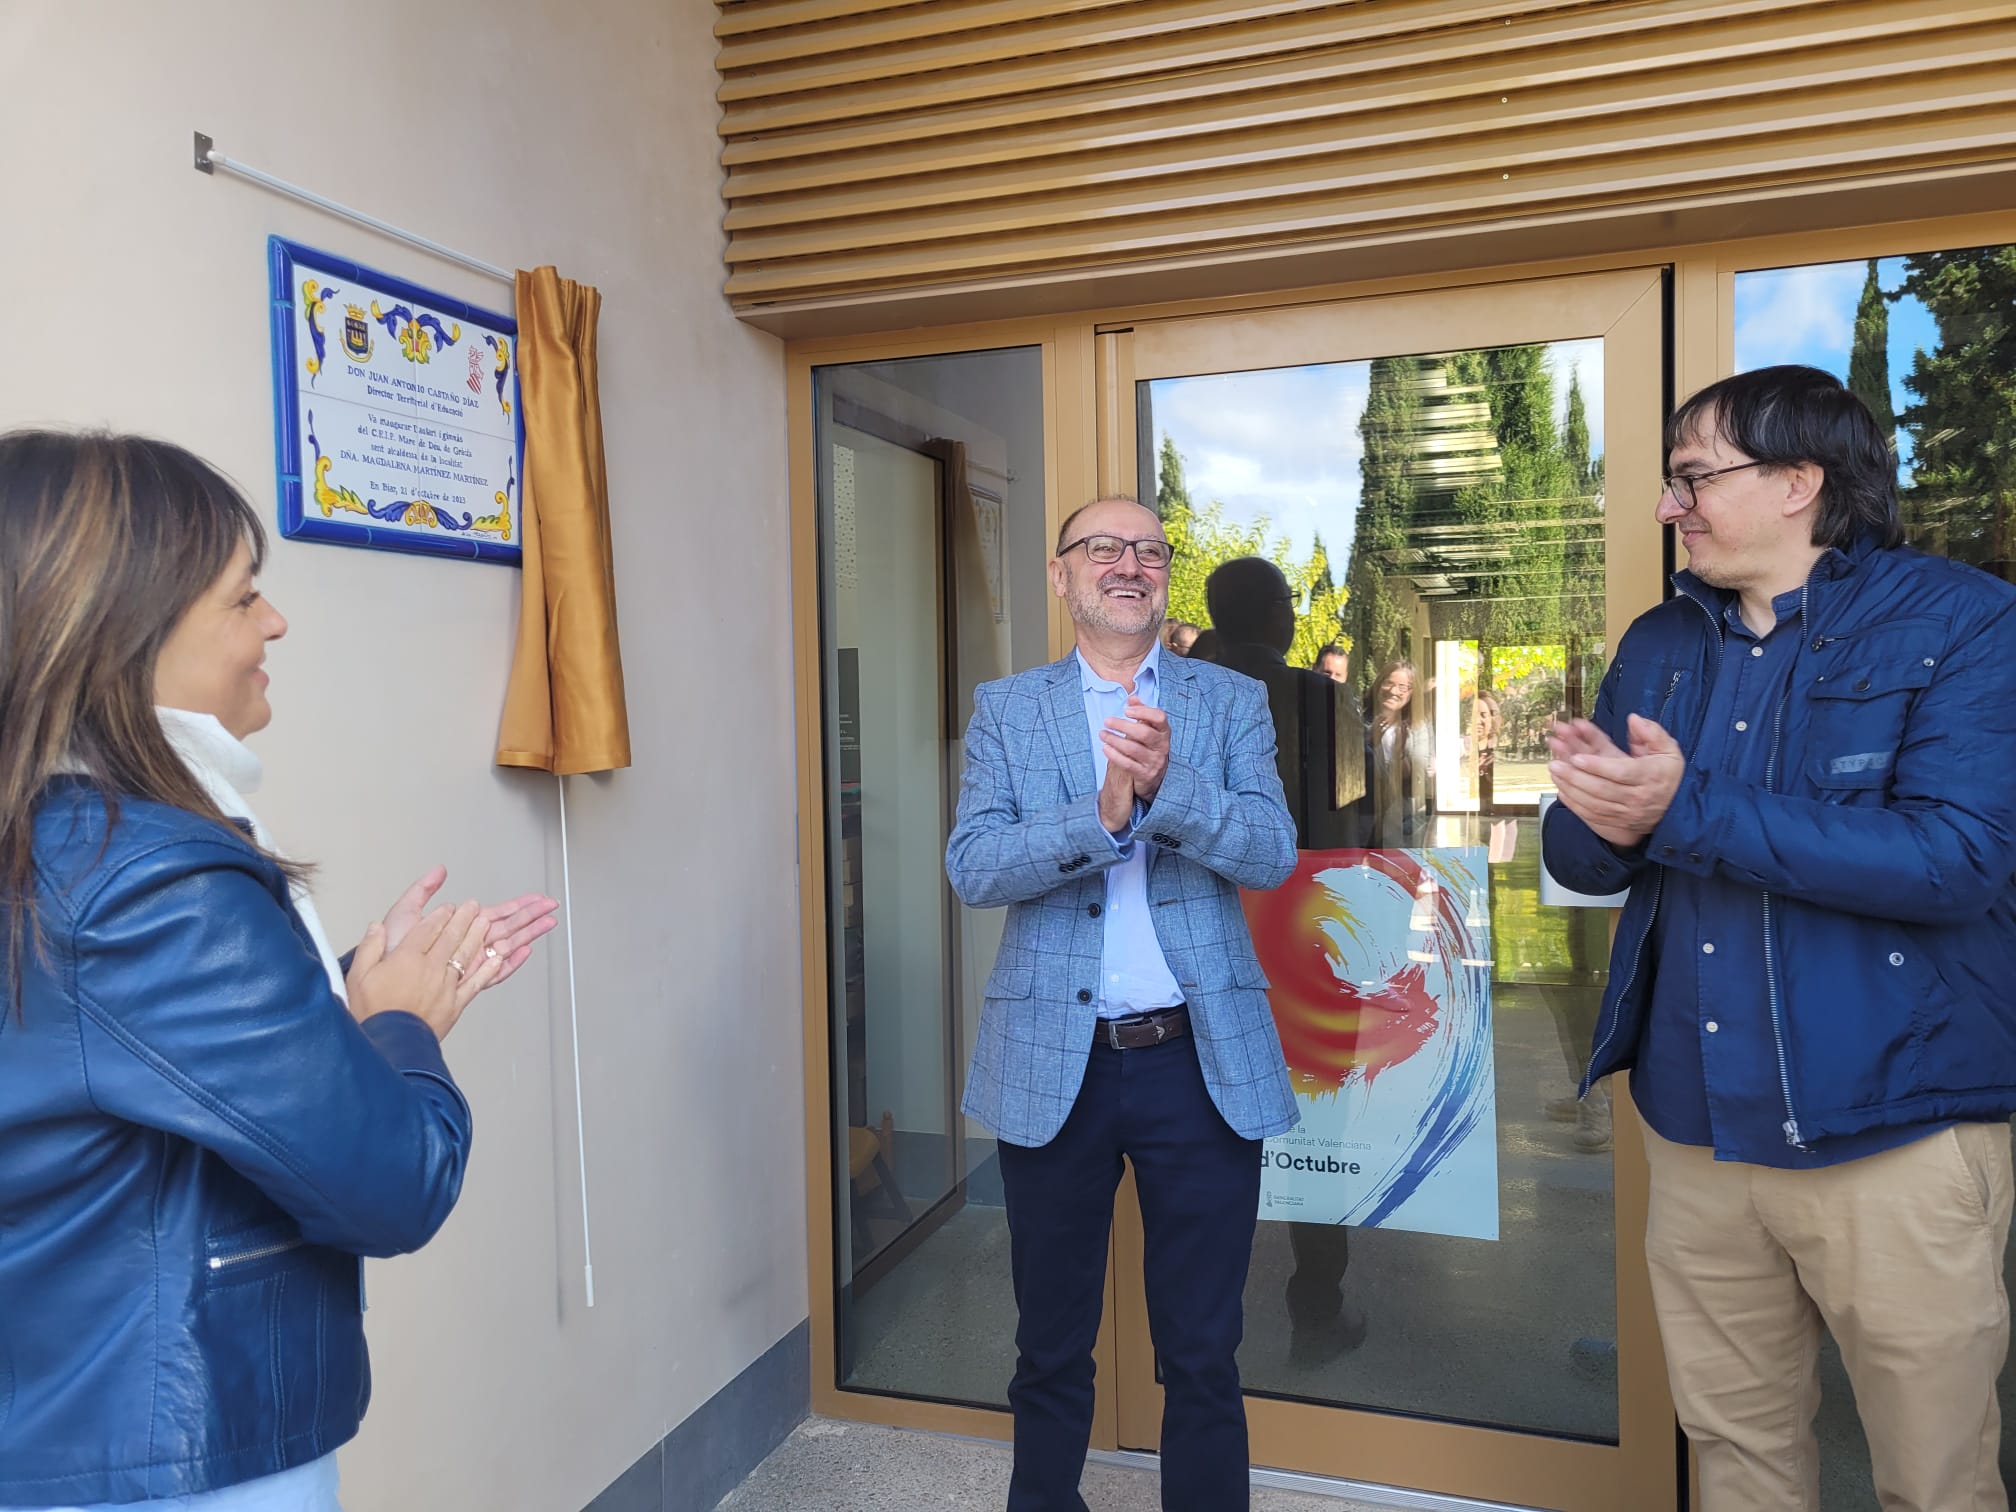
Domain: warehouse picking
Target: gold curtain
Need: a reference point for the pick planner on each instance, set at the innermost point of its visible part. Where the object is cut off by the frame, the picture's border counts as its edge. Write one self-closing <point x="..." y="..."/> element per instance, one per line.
<point x="564" y="709"/>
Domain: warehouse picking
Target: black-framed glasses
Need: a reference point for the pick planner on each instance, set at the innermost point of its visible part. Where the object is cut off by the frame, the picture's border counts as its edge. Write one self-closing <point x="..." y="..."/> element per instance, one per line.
<point x="1107" y="549"/>
<point x="1682" y="485"/>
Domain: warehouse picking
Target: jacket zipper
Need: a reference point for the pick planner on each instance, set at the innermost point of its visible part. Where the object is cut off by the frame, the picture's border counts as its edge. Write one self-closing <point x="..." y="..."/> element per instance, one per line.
<point x="1637" y="951"/>
<point x="264" y="1252"/>
<point x="1791" y="1124"/>
<point x="1651" y="917"/>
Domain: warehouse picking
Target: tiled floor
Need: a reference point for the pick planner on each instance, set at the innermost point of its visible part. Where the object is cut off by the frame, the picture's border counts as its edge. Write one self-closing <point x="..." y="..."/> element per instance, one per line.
<point x="851" y="1467"/>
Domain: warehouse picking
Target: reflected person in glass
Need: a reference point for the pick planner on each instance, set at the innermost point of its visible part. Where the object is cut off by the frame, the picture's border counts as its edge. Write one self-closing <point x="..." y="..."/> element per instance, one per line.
<point x="1800" y="767"/>
<point x="1115" y="802"/>
<point x="1319" y="744"/>
<point x="1399" y="762"/>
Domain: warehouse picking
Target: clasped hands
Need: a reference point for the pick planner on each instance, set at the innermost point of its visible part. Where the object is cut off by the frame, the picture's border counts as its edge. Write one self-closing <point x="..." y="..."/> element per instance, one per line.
<point x="1620" y="795"/>
<point x="1137" y="754"/>
<point x="405" y="960"/>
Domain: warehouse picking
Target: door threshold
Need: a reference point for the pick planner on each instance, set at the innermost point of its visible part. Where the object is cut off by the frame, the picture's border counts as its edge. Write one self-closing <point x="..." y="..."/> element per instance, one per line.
<point x="1362" y="1492"/>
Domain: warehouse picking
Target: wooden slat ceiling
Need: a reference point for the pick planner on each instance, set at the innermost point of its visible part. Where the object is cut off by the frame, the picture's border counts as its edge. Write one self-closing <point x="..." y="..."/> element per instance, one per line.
<point x="874" y="146"/>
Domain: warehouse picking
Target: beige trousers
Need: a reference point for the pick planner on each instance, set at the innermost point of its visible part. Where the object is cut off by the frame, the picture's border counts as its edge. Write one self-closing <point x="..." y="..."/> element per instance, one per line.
<point x="1898" y="1254"/>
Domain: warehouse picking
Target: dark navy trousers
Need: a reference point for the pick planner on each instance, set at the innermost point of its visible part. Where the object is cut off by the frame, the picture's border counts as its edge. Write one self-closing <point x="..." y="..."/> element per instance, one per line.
<point x="1199" y="1185"/>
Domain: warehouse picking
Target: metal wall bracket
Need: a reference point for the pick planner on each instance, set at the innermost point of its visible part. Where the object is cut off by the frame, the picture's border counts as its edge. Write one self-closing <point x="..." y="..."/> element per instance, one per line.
<point x="203" y="149"/>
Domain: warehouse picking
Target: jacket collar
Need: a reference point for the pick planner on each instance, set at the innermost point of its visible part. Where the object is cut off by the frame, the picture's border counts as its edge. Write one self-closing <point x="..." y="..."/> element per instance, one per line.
<point x="1836" y="564"/>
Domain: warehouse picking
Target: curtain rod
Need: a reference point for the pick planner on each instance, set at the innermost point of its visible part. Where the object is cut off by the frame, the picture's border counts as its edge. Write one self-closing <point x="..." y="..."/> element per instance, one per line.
<point x="209" y="160"/>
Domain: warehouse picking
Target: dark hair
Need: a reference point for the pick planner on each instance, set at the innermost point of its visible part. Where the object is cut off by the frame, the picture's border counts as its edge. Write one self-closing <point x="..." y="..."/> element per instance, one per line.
<point x="1330" y="648"/>
<point x="105" y="543"/>
<point x="1243" y="595"/>
<point x="1064" y="530"/>
<point x="1788" y="415"/>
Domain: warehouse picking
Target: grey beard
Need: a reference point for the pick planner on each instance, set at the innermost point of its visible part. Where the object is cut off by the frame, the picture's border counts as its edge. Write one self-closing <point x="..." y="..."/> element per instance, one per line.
<point x="1093" y="607"/>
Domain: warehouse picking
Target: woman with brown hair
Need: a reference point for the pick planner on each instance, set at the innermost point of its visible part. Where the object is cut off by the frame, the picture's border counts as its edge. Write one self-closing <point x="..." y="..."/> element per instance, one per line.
<point x="206" y="1117"/>
<point x="1399" y="765"/>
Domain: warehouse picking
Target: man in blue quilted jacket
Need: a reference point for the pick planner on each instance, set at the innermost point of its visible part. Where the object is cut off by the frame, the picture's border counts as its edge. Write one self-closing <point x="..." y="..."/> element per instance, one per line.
<point x="1116" y="801"/>
<point x="1803" y="765"/>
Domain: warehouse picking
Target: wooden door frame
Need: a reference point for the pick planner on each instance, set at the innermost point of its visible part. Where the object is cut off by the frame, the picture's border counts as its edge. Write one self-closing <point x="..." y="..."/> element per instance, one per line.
<point x="1627" y="308"/>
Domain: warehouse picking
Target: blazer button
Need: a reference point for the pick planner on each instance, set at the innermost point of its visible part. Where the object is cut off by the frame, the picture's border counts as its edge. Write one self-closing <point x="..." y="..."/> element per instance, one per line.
<point x="1093" y="909"/>
<point x="1862" y="685"/>
<point x="1084" y="994"/>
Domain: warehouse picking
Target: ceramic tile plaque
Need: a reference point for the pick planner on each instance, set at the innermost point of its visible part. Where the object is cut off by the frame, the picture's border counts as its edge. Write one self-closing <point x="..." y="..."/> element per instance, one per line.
<point x="396" y="415"/>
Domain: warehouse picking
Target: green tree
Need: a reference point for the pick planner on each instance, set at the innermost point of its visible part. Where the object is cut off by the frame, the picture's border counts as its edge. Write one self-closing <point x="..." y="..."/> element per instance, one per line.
<point x="1963" y="423"/>
<point x="1869" y="356"/>
<point x="1322" y="602"/>
<point x="1532" y="510"/>
<point x="1172" y="492"/>
<point x="1584" y="470"/>
<point x="1389" y="430"/>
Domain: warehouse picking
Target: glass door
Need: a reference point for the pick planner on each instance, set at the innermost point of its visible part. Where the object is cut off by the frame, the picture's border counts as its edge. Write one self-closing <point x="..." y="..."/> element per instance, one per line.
<point x="931" y="525"/>
<point x="1447" y="1288"/>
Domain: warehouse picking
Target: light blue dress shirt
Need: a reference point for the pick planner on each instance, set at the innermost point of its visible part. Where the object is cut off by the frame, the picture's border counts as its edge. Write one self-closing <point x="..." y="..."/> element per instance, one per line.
<point x="1133" y="975"/>
<point x="305" y="1488"/>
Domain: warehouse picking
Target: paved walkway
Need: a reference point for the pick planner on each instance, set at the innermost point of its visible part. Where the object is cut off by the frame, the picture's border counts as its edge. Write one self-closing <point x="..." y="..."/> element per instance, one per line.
<point x="853" y="1467"/>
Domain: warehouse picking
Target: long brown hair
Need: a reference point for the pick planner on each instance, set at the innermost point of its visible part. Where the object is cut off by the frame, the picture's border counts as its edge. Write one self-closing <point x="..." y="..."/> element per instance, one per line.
<point x="105" y="543"/>
<point x="1375" y="693"/>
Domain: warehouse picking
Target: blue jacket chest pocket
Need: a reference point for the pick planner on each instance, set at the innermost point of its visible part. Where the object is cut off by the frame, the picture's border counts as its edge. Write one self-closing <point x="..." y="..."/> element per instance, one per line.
<point x="1658" y="690"/>
<point x="1859" y="697"/>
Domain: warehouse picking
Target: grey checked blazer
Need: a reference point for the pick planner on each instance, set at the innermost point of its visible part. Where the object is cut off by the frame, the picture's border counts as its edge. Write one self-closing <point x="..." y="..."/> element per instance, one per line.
<point x="1028" y="836"/>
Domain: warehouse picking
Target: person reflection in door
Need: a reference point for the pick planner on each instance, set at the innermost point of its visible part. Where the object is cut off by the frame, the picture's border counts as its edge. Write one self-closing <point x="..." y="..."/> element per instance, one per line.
<point x="1320" y="747"/>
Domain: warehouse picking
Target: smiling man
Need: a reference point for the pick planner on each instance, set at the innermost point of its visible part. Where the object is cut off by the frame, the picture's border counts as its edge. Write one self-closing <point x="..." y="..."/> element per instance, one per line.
<point x="1116" y="801"/>
<point x="1804" y="767"/>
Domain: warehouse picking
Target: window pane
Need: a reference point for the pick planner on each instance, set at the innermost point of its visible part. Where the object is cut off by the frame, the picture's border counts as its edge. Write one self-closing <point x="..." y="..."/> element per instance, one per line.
<point x="931" y="517"/>
<point x="1929" y="342"/>
<point x="1438" y="522"/>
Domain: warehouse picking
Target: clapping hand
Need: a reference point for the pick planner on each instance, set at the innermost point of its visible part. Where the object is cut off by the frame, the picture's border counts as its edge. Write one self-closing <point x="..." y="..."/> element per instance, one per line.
<point x="512" y="927"/>
<point x="1620" y="795"/>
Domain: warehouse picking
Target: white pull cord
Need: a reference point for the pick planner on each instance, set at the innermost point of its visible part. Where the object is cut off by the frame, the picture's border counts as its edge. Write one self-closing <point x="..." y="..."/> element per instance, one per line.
<point x="574" y="1029"/>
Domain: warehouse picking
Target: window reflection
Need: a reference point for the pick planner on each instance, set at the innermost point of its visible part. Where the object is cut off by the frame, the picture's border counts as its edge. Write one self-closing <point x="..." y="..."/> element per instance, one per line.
<point x="1408" y="554"/>
<point x="1928" y="341"/>
<point x="932" y="543"/>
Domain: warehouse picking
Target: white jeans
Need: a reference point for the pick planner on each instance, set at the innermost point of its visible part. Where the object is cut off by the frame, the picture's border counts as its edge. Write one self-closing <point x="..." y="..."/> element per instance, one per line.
<point x="305" y="1488"/>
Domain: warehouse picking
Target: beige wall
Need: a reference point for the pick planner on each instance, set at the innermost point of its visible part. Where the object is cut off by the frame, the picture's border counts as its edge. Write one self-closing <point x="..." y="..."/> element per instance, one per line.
<point x="521" y="131"/>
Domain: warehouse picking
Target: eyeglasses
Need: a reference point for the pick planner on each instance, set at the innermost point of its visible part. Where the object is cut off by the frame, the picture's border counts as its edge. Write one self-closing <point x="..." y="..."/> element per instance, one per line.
<point x="1682" y="485"/>
<point x="1106" y="550"/>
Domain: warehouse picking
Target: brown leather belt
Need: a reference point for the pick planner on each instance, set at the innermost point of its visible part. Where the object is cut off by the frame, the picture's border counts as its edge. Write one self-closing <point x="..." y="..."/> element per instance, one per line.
<point x="1141" y="1030"/>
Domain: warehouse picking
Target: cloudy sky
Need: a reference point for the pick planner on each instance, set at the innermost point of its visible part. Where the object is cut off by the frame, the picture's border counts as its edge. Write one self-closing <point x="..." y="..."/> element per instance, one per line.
<point x="1808" y="315"/>
<point x="1284" y="443"/>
